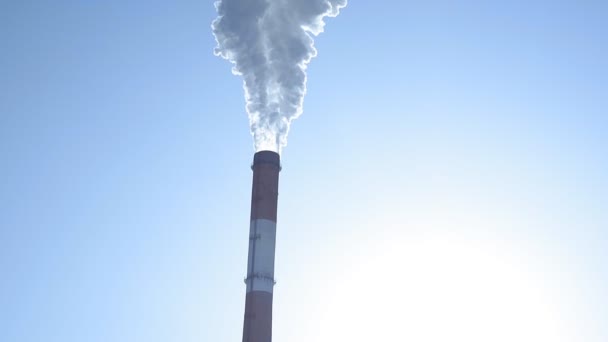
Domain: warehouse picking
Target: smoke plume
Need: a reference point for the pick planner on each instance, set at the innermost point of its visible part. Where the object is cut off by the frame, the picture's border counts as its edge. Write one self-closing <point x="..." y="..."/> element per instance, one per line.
<point x="270" y="43"/>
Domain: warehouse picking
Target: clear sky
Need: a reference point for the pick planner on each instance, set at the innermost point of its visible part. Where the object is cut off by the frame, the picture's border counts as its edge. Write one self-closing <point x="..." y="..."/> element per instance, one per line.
<point x="446" y="182"/>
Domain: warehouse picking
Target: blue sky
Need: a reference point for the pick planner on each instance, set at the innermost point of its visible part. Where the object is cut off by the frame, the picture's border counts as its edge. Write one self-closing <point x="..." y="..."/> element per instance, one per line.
<point x="447" y="179"/>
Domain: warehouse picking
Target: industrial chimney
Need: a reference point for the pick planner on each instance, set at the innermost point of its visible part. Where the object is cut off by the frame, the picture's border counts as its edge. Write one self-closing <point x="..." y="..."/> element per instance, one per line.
<point x="262" y="237"/>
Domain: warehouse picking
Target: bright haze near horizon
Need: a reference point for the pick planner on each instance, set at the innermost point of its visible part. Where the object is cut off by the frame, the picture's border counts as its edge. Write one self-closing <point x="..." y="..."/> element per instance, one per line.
<point x="446" y="181"/>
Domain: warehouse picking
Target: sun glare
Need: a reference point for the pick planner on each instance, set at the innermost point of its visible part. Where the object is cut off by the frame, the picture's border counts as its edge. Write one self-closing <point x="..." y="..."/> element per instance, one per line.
<point x="438" y="291"/>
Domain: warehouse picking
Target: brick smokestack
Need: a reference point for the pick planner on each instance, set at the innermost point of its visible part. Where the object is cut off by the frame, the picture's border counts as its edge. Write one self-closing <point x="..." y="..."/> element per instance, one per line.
<point x="262" y="237"/>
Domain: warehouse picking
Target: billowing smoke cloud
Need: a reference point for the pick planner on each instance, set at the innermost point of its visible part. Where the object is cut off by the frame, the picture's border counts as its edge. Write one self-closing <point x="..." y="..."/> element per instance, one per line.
<point x="270" y="43"/>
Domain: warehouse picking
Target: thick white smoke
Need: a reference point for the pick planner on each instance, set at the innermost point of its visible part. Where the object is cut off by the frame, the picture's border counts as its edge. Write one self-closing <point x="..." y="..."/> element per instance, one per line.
<point x="270" y="43"/>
